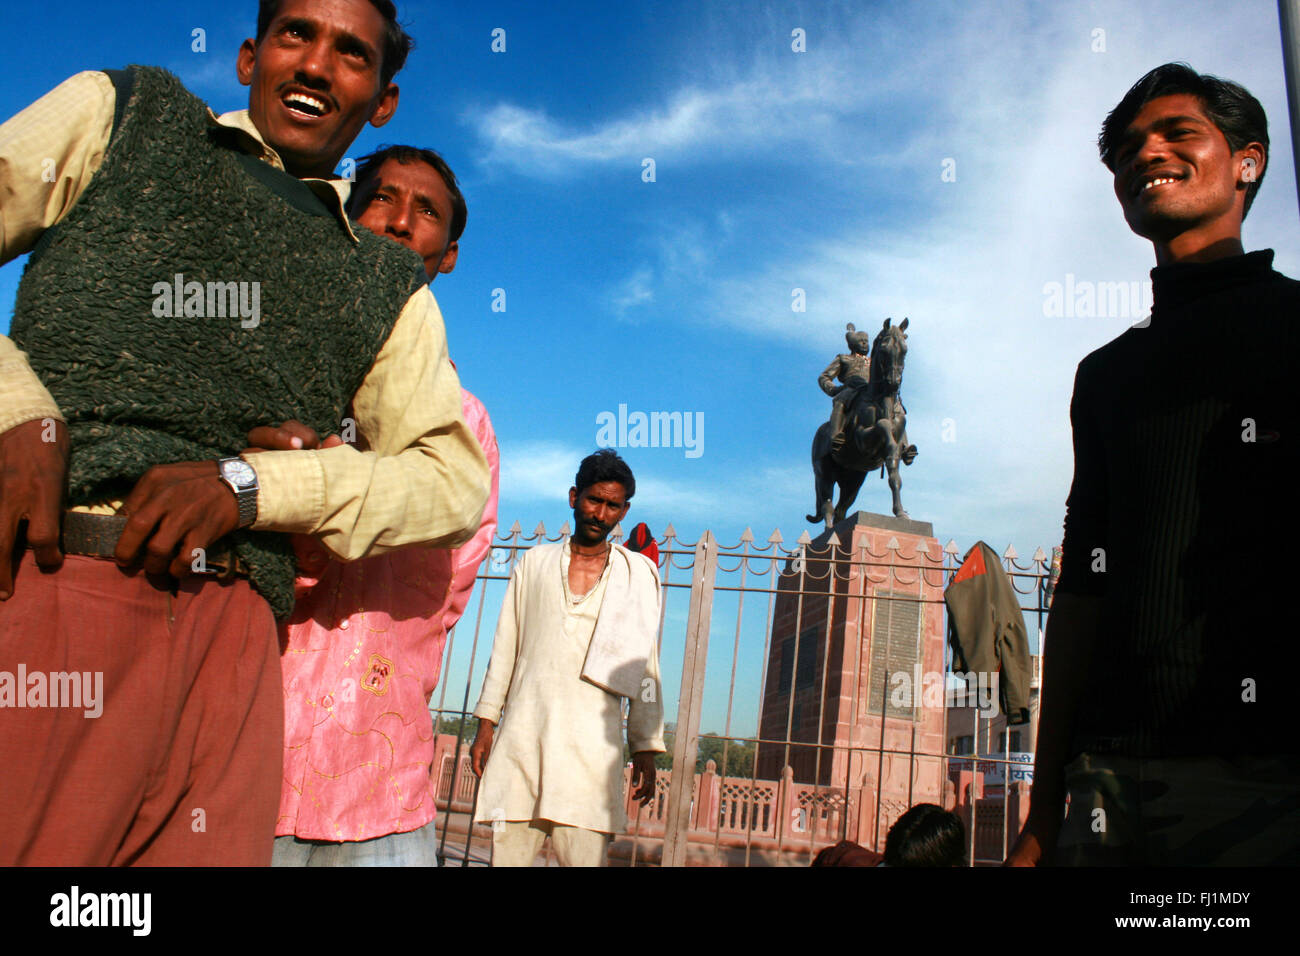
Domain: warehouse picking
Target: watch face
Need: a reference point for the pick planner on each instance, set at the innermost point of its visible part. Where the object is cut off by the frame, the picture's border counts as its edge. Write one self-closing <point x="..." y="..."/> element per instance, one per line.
<point x="239" y="472"/>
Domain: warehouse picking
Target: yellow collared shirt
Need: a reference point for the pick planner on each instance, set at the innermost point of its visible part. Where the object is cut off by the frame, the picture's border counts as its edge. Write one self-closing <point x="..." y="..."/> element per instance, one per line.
<point x="423" y="480"/>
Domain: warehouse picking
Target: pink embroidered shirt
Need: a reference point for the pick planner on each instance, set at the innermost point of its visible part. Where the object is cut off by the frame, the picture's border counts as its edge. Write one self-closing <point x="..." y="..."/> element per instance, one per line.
<point x="361" y="656"/>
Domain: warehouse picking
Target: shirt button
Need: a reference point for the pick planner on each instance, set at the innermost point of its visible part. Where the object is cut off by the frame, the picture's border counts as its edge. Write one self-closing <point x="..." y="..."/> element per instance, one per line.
<point x="343" y="624"/>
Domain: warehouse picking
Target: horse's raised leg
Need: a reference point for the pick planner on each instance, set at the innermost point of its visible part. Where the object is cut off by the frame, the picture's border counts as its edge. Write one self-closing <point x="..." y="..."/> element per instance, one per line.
<point x="905" y="451"/>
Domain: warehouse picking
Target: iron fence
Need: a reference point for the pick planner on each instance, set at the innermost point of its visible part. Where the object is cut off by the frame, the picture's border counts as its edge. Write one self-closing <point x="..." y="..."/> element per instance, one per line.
<point x="818" y="791"/>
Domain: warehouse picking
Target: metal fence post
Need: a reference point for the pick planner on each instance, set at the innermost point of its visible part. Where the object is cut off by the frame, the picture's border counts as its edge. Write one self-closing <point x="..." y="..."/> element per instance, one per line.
<point x="686" y="739"/>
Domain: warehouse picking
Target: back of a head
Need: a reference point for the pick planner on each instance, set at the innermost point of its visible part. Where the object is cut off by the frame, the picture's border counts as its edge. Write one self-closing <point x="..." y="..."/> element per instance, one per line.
<point x="926" y="835"/>
<point x="1230" y="106"/>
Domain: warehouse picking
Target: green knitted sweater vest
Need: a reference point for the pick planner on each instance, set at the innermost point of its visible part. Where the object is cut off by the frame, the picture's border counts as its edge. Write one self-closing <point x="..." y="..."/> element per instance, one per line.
<point x="192" y="293"/>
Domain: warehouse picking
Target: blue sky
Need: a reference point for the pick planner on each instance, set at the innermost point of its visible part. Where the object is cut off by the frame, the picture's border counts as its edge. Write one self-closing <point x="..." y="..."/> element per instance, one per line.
<point x="774" y="171"/>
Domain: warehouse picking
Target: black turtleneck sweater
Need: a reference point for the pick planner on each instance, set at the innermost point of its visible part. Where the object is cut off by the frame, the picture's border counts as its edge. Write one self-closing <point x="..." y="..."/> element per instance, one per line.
<point x="1182" y="524"/>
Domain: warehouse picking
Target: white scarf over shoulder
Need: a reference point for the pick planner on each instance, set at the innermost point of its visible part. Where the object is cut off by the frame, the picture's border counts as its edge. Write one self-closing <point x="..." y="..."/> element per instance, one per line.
<point x="627" y="625"/>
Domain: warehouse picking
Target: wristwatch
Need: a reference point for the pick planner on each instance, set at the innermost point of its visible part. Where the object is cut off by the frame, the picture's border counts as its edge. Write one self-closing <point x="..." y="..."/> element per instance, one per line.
<point x="241" y="478"/>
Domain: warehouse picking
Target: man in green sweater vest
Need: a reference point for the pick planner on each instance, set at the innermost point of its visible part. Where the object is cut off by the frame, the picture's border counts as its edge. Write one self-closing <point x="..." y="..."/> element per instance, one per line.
<point x="138" y="402"/>
<point x="1166" y="706"/>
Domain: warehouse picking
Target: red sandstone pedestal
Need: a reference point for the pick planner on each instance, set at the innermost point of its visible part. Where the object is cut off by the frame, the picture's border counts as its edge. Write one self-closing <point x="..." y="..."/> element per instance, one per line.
<point x="855" y="672"/>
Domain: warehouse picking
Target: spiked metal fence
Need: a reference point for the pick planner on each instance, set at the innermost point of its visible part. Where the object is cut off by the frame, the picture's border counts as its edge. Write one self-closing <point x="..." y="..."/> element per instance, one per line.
<point x="703" y="814"/>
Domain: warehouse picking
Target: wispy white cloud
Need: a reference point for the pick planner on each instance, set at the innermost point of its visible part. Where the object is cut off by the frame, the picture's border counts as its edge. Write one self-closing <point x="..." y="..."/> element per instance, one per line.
<point x="762" y="113"/>
<point x="700" y="502"/>
<point x="211" y="75"/>
<point x="538" y="474"/>
<point x="538" y="471"/>
<point x="633" y="291"/>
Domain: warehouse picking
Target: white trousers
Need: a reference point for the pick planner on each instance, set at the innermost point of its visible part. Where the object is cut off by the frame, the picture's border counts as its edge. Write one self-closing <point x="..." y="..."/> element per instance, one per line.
<point x="517" y="843"/>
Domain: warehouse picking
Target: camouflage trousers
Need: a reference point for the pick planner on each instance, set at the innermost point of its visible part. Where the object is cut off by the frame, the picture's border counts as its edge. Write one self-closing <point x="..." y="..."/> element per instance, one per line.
<point x="1181" y="811"/>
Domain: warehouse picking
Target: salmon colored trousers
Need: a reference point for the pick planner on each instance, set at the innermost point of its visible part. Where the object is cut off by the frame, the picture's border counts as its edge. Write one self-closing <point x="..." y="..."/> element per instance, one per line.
<point x="182" y="766"/>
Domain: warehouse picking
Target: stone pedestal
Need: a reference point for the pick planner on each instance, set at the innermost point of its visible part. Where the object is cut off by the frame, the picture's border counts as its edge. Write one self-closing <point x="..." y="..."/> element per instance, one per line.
<point x="856" y="630"/>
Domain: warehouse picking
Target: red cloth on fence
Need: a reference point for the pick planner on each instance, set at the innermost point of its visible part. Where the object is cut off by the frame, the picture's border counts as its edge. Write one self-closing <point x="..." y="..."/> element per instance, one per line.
<point x="643" y="541"/>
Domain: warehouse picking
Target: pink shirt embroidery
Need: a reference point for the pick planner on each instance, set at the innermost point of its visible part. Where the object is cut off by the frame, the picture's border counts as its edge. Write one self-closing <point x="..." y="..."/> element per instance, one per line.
<point x="361" y="656"/>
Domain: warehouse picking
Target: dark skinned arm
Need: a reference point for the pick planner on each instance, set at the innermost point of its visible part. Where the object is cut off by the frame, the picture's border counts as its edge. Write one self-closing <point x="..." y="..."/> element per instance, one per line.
<point x="32" y="475"/>
<point x="177" y="508"/>
<point x="643" y="776"/>
<point x="172" y="510"/>
<point x="481" y="748"/>
<point x="1067" y="664"/>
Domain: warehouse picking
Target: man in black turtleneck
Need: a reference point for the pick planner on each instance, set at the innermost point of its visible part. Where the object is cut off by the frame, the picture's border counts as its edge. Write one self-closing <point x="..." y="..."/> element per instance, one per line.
<point x="1165" y="710"/>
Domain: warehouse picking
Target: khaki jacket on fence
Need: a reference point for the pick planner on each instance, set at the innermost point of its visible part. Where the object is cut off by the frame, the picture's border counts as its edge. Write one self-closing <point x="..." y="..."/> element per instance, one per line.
<point x="987" y="630"/>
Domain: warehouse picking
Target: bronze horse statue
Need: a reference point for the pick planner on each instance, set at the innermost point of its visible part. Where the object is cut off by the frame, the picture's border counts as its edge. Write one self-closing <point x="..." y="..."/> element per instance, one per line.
<point x="876" y="434"/>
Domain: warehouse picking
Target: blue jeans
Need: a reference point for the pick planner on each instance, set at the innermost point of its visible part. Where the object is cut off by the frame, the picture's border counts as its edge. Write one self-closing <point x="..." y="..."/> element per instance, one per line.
<point x="414" y="848"/>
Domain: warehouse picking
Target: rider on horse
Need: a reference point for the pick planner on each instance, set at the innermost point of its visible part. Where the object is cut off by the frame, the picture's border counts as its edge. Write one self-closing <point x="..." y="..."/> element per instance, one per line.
<point x="854" y="371"/>
<point x="868" y="425"/>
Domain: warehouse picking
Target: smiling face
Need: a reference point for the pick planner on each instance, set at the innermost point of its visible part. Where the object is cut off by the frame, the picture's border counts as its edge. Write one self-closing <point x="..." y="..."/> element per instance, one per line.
<point x="1179" y="182"/>
<point x="315" y="81"/>
<point x="597" y="509"/>
<point x="410" y="202"/>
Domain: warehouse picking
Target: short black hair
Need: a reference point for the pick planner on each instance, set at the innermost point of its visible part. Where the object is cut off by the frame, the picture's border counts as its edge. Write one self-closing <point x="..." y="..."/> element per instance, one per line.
<point x="1230" y="106"/>
<point x="397" y="42"/>
<point x="369" y="167"/>
<point x="926" y="835"/>
<point x="605" y="465"/>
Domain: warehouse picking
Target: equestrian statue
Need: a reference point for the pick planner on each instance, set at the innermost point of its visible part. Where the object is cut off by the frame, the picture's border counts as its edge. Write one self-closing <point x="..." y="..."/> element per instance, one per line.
<point x="868" y="423"/>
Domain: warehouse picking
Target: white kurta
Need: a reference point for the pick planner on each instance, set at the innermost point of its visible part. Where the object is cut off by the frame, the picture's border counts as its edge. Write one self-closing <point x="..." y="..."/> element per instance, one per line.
<point x="557" y="753"/>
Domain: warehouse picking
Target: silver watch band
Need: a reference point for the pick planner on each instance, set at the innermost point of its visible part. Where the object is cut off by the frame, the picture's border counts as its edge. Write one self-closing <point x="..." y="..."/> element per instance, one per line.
<point x="247" y="501"/>
<point x="245" y="494"/>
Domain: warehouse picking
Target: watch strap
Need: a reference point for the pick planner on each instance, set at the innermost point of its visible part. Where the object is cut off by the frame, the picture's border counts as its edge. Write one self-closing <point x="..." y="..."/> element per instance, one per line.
<point x="245" y="497"/>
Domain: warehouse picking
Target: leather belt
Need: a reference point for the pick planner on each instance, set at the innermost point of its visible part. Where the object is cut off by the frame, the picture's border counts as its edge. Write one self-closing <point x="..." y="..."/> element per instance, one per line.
<point x="96" y="536"/>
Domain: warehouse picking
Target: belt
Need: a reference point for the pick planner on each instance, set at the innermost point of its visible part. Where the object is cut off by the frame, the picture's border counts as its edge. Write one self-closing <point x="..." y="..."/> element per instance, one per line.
<point x="96" y="536"/>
